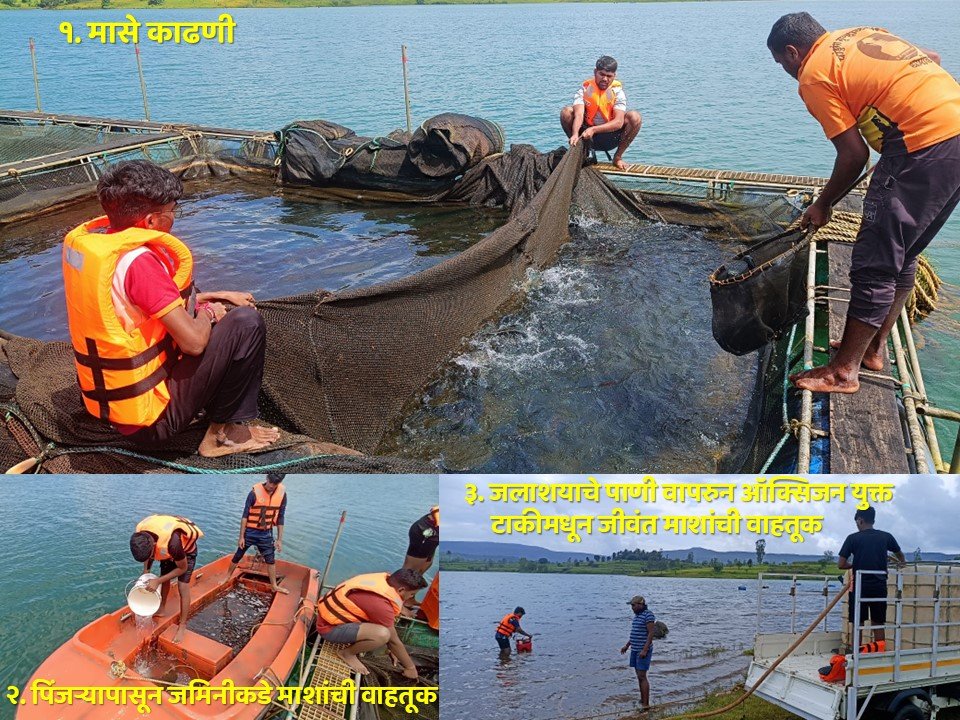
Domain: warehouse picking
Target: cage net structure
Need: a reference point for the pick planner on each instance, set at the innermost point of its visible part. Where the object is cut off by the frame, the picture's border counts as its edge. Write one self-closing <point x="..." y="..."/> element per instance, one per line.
<point x="342" y="367"/>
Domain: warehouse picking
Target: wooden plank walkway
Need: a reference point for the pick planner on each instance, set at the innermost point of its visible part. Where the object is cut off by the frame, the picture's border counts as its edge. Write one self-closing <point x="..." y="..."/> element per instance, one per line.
<point x="865" y="430"/>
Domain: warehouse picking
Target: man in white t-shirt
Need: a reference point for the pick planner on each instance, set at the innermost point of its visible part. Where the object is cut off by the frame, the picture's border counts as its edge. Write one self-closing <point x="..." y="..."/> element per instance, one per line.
<point x="599" y="113"/>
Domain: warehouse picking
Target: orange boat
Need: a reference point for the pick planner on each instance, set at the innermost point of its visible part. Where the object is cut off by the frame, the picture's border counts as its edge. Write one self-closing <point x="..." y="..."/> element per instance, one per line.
<point x="260" y="636"/>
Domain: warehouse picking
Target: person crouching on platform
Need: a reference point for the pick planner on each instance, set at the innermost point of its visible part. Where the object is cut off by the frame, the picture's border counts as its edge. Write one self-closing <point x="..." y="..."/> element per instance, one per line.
<point x="600" y="110"/>
<point x="172" y="540"/>
<point x="507" y="627"/>
<point x="147" y="360"/>
<point x="361" y="613"/>
<point x="866" y="81"/>
<point x="424" y="539"/>
<point x="263" y="511"/>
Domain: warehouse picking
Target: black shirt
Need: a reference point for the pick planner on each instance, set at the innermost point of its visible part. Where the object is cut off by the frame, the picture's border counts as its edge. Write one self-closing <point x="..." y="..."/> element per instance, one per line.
<point x="869" y="550"/>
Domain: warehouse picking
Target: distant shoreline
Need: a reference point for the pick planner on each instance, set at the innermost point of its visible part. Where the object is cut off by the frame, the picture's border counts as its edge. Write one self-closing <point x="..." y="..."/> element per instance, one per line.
<point x="726" y="572"/>
<point x="234" y="4"/>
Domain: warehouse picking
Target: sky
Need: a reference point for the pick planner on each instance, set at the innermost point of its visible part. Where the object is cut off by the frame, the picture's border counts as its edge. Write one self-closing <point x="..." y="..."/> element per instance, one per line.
<point x="923" y="514"/>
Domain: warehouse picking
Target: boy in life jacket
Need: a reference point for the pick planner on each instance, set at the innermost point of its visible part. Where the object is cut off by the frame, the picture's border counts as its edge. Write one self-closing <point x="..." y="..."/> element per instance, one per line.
<point x="148" y="360"/>
<point x="507" y="627"/>
<point x="263" y="511"/>
<point x="599" y="113"/>
<point x="362" y="613"/>
<point x="424" y="539"/>
<point x="172" y="540"/>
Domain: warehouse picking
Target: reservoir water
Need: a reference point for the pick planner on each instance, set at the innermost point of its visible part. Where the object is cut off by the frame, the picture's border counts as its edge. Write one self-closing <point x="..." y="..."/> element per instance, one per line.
<point x="580" y="622"/>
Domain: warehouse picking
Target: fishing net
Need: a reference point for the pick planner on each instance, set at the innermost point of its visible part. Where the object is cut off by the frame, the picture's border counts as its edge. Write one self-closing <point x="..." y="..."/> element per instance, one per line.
<point x="343" y="367"/>
<point x="425" y="163"/>
<point x="383" y="674"/>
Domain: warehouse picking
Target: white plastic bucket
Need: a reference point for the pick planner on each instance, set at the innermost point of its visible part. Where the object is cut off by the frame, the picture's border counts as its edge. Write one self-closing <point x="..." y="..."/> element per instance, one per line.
<point x="142" y="601"/>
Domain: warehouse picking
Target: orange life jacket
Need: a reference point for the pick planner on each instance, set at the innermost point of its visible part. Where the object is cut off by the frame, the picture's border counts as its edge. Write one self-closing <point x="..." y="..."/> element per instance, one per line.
<point x="121" y="373"/>
<point x="597" y="101"/>
<point x="435" y="515"/>
<point x="877" y="646"/>
<point x="336" y="607"/>
<point x="505" y="628"/>
<point x="266" y="507"/>
<point x="430" y="606"/>
<point x="163" y="526"/>
<point x="836" y="671"/>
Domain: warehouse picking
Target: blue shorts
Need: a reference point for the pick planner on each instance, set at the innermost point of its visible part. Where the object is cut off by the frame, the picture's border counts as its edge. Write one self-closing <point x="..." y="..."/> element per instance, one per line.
<point x="503" y="641"/>
<point x="262" y="540"/>
<point x="640" y="663"/>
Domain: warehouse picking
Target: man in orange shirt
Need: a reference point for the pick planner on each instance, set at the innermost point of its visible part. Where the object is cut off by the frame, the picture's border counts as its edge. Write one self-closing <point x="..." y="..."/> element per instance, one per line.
<point x="864" y="83"/>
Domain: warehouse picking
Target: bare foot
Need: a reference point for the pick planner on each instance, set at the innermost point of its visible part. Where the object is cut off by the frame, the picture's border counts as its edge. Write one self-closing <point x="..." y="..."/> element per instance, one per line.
<point x="619" y="163"/>
<point x="825" y="379"/>
<point x="230" y="438"/>
<point x="353" y="661"/>
<point x="178" y="638"/>
<point x="282" y="591"/>
<point x="872" y="359"/>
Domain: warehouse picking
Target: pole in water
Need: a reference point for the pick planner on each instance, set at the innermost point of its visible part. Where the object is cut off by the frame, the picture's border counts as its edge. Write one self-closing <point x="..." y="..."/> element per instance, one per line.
<point x="36" y="81"/>
<point x="406" y="85"/>
<point x="143" y="84"/>
<point x="333" y="549"/>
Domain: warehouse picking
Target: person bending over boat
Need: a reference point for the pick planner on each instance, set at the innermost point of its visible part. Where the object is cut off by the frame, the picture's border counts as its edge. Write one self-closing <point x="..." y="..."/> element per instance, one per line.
<point x="506" y="629"/>
<point x="599" y="113"/>
<point x="172" y="540"/>
<point x="640" y="645"/>
<point x="149" y="361"/>
<point x="865" y="81"/>
<point x="869" y="548"/>
<point x="264" y="510"/>
<point x="362" y="613"/>
<point x="424" y="539"/>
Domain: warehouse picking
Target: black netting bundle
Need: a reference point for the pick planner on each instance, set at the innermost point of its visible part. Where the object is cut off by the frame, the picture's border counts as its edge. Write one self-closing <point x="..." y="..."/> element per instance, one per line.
<point x="425" y="163"/>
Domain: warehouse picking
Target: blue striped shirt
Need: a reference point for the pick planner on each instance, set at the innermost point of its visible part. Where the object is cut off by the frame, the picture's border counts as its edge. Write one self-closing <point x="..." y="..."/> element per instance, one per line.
<point x="638" y="630"/>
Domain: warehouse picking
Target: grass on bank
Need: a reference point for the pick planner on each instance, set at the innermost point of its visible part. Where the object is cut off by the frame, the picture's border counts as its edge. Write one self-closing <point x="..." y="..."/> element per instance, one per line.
<point x="193" y="4"/>
<point x="675" y="568"/>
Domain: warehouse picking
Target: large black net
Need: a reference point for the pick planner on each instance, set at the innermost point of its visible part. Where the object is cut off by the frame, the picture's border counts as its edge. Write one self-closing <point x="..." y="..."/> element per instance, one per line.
<point x="344" y="366"/>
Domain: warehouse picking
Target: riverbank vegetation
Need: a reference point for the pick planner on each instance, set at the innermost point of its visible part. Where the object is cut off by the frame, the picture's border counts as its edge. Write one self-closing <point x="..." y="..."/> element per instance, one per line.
<point x="643" y="562"/>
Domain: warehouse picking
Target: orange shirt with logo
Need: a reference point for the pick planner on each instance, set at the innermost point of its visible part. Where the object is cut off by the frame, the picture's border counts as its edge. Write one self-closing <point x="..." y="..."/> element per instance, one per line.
<point x="898" y="97"/>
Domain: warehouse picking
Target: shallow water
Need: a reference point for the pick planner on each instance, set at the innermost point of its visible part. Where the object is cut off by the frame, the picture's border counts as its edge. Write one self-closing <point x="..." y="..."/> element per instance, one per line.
<point x="579" y="624"/>
<point x="250" y="237"/>
<point x="610" y="363"/>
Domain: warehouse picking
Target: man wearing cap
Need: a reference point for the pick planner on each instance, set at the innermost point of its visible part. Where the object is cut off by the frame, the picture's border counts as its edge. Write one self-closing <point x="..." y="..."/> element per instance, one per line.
<point x="507" y="627"/>
<point x="869" y="548"/>
<point x="640" y="645"/>
<point x="599" y="110"/>
<point x="263" y="511"/>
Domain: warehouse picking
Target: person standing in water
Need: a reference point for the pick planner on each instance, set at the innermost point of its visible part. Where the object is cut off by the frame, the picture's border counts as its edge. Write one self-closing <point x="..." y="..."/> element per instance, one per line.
<point x="506" y="629"/>
<point x="640" y="645"/>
